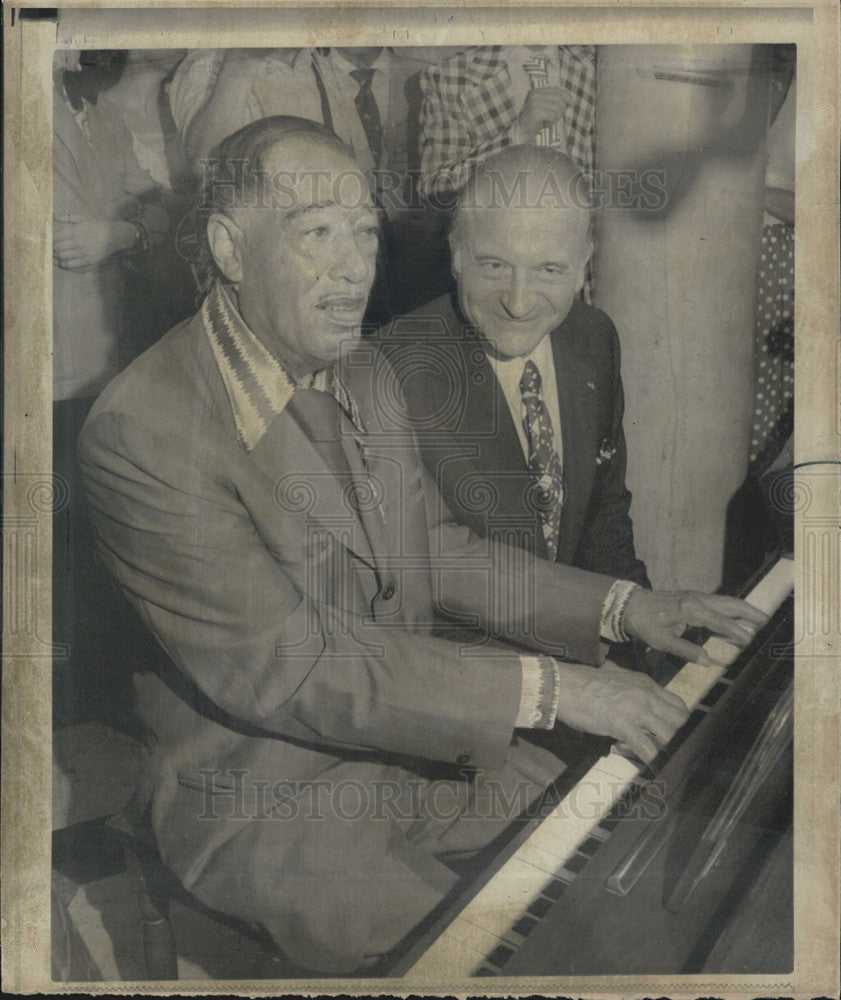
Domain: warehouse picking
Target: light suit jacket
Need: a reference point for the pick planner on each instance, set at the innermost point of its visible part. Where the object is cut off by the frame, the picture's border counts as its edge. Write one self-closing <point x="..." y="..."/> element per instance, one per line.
<point x="293" y="593"/>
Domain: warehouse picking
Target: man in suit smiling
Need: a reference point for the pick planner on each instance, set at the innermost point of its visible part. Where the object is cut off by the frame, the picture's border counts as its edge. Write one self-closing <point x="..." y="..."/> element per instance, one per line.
<point x="513" y="384"/>
<point x="315" y="756"/>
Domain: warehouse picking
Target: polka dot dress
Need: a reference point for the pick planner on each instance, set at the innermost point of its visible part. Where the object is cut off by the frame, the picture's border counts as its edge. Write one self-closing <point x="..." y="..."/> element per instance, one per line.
<point x="773" y="345"/>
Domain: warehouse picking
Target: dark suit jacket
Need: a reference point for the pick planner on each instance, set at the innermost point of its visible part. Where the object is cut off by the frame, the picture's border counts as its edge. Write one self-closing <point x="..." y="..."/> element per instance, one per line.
<point x="469" y="443"/>
<point x="297" y="620"/>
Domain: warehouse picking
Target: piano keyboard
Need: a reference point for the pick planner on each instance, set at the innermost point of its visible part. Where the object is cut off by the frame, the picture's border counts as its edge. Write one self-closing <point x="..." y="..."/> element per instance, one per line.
<point x="492" y="925"/>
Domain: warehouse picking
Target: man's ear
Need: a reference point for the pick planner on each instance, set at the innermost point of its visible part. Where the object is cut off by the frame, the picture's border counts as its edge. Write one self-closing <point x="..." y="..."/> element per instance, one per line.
<point x="582" y="267"/>
<point x="225" y="238"/>
<point x="455" y="252"/>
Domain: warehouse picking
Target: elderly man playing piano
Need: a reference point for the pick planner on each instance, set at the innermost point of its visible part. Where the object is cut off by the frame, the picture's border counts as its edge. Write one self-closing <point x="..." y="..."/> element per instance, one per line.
<point x="316" y="757"/>
<point x="513" y="383"/>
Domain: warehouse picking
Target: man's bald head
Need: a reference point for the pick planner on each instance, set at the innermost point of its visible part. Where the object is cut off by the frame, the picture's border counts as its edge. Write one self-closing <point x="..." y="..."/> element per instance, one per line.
<point x="523" y="177"/>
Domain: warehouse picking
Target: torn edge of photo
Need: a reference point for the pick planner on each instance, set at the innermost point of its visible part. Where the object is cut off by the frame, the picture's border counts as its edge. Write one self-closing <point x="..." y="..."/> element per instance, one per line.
<point x="421" y="551"/>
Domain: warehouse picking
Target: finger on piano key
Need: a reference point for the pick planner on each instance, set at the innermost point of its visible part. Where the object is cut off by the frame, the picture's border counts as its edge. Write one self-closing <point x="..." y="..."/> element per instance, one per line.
<point x="720" y="651"/>
<point x="694" y="681"/>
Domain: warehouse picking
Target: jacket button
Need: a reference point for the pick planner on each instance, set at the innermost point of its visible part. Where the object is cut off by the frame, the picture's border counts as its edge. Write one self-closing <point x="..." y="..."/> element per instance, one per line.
<point x="387" y="592"/>
<point x="463" y="758"/>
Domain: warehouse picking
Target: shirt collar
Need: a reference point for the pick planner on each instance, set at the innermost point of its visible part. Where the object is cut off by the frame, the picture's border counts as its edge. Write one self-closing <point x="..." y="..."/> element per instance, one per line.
<point x="258" y="386"/>
<point x="509" y="371"/>
<point x="523" y="54"/>
<point x="343" y="65"/>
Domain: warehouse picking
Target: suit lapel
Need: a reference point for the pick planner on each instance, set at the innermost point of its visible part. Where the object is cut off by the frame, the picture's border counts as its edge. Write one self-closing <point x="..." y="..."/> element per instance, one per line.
<point x="500" y="461"/>
<point x="577" y="401"/>
<point x="341" y="477"/>
<point x="296" y="442"/>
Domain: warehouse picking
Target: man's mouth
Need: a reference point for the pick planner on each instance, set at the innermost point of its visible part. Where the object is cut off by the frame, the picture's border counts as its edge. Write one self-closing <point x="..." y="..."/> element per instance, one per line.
<point x="343" y="308"/>
<point x="508" y="318"/>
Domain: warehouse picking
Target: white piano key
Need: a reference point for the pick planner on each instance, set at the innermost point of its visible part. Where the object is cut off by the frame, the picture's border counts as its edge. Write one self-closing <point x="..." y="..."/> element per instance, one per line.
<point x="459" y="951"/>
<point x="694" y="682"/>
<point x="570" y="823"/>
<point x="549" y="861"/>
<point x="770" y="592"/>
<point x="618" y="767"/>
<point x="720" y="651"/>
<point x="506" y="897"/>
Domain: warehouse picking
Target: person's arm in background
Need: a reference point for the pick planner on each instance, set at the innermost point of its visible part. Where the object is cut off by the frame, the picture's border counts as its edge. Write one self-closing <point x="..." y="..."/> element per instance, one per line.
<point x="191" y="85"/>
<point x="145" y="209"/>
<point x="84" y="241"/>
<point x="229" y="104"/>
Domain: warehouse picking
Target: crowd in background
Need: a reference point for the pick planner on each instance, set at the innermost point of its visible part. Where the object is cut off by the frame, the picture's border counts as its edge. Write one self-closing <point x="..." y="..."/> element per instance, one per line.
<point x="134" y="131"/>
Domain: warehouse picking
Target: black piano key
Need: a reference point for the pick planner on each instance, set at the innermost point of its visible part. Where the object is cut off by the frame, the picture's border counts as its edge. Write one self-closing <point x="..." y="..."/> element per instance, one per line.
<point x="540" y="907"/>
<point x="553" y="889"/>
<point x="500" y="955"/>
<point x="608" y="823"/>
<point x="589" y="847"/>
<point x="715" y="692"/>
<point x="576" y="863"/>
<point x="696" y="717"/>
<point x="524" y="926"/>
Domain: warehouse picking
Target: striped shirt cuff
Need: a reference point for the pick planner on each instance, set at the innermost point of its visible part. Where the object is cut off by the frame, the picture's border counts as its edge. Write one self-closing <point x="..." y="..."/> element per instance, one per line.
<point x="539" y="694"/>
<point x="612" y="625"/>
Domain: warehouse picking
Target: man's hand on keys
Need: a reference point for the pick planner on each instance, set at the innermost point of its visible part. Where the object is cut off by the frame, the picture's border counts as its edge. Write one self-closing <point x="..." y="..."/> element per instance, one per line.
<point x="624" y="704"/>
<point x="660" y="617"/>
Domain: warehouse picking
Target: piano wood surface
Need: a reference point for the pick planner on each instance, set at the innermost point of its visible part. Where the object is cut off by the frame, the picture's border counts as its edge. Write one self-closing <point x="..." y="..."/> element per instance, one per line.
<point x="543" y="906"/>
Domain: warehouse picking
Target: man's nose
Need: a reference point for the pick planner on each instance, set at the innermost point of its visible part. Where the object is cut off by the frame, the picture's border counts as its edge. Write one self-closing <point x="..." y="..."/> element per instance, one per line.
<point x="352" y="262"/>
<point x="516" y="299"/>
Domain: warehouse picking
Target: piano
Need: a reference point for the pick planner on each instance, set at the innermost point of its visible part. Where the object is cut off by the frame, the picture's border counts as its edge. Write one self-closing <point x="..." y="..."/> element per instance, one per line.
<point x="684" y="866"/>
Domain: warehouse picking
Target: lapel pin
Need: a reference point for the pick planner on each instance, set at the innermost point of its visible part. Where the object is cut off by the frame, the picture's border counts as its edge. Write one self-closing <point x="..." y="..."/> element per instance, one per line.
<point x="606" y="452"/>
<point x="591" y="385"/>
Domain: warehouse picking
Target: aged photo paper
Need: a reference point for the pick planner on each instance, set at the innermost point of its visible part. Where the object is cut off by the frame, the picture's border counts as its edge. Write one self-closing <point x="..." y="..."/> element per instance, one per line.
<point x="218" y="775"/>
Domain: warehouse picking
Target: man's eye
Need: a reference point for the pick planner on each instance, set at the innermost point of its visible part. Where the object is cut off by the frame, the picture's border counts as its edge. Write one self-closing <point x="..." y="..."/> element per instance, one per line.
<point x="553" y="270"/>
<point x="492" y="268"/>
<point x="317" y="232"/>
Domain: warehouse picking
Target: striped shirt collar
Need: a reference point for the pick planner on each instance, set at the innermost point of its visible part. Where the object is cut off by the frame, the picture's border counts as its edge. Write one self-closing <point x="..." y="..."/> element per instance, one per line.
<point x="258" y="386"/>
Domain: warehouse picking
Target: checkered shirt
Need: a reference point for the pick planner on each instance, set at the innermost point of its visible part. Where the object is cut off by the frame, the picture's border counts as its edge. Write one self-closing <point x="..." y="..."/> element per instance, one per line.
<point x="468" y="113"/>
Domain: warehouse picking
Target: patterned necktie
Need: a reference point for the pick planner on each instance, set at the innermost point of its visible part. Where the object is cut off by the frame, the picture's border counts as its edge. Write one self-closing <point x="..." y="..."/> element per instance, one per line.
<point x="369" y="113"/>
<point x="537" y="70"/>
<point x="328" y="380"/>
<point x="543" y="460"/>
